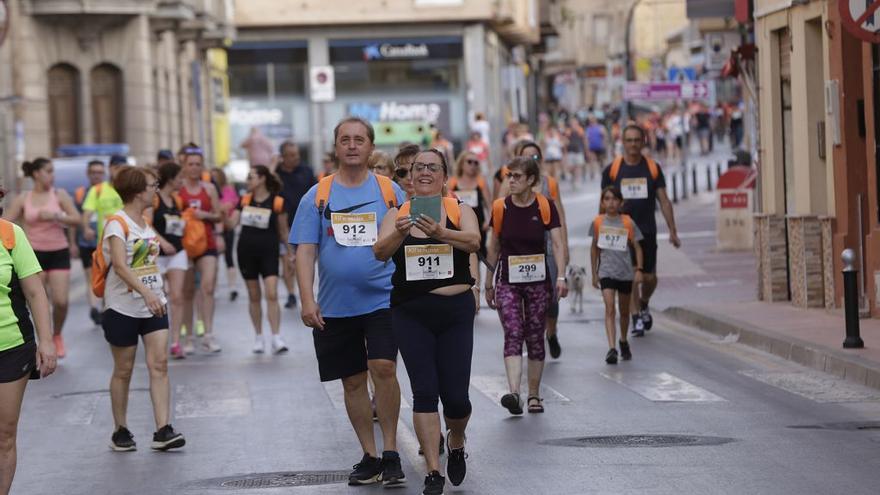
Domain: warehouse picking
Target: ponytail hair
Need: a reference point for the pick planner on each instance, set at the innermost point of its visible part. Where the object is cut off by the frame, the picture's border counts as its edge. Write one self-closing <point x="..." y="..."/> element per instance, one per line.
<point x="167" y="172"/>
<point x="273" y="184"/>
<point x="29" y="168"/>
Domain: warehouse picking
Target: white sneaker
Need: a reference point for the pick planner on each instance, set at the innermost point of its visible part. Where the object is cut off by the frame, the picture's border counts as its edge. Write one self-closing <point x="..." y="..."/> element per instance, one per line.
<point x="278" y="345"/>
<point x="259" y="345"/>
<point x="208" y="344"/>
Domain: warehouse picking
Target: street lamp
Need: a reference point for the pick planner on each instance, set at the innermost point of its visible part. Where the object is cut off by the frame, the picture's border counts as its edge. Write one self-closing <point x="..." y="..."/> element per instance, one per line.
<point x="627" y="58"/>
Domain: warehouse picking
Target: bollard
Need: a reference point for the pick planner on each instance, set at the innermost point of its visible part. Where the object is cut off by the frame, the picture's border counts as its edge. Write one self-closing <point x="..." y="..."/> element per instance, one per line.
<point x="694" y="178"/>
<point x="718" y="170"/>
<point x="709" y="178"/>
<point x="674" y="189"/>
<point x="851" y="301"/>
<point x="684" y="183"/>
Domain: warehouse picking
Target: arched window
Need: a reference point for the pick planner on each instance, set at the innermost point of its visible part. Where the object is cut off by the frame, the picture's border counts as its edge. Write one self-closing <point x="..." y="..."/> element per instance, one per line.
<point x="64" y="105"/>
<point x="107" y="108"/>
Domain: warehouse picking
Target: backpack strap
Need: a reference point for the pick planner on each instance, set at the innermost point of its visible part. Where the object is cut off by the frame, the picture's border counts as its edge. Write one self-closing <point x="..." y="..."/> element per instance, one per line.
<point x="544" y="208"/>
<point x="553" y="187"/>
<point x="497" y="215"/>
<point x="628" y="225"/>
<point x="453" y="211"/>
<point x="121" y="221"/>
<point x="597" y="223"/>
<point x="7" y="234"/>
<point x="178" y="201"/>
<point x="387" y="188"/>
<point x="246" y="199"/>
<point x="323" y="192"/>
<point x="278" y="205"/>
<point x="615" y="168"/>
<point x="653" y="168"/>
<point x="79" y="195"/>
<point x="452" y="182"/>
<point x="156" y="201"/>
<point x="404" y="210"/>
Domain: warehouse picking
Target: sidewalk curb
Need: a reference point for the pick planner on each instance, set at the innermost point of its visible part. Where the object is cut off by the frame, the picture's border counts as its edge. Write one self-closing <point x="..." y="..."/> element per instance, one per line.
<point x="839" y="363"/>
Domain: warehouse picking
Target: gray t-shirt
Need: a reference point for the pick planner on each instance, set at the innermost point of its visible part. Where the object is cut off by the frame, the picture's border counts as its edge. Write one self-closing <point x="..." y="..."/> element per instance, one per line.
<point x="615" y="264"/>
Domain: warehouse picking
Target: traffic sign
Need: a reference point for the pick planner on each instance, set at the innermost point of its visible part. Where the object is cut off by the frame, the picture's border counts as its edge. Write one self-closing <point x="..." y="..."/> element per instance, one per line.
<point x="861" y="19"/>
<point x="322" y="83"/>
<point x="663" y="91"/>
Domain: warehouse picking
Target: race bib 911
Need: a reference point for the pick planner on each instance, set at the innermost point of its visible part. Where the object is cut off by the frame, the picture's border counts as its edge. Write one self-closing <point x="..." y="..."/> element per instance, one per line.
<point x="428" y="262"/>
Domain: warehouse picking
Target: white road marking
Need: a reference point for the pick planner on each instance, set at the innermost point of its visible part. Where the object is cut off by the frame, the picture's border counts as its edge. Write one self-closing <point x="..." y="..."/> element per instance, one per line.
<point x="818" y="387"/>
<point x="661" y="387"/>
<point x="494" y="387"/>
<point x="210" y="400"/>
<point x="699" y="234"/>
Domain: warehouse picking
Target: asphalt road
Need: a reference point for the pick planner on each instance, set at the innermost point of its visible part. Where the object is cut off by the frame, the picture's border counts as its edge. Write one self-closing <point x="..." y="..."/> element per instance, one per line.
<point x="761" y="424"/>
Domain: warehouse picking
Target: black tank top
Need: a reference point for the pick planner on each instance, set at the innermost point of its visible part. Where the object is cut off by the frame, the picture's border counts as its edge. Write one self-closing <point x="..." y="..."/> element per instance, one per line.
<point x="163" y="215"/>
<point x="404" y="289"/>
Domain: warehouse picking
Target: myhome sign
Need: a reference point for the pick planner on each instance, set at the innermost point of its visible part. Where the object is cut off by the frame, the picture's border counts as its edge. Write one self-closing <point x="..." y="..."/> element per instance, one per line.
<point x="390" y="51"/>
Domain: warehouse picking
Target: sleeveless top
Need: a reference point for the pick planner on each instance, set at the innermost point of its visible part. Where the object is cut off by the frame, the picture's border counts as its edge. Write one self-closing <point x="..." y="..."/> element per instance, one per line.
<point x="200" y="201"/>
<point x="405" y="290"/>
<point x="479" y="209"/>
<point x="44" y="235"/>
<point x="253" y="236"/>
<point x="553" y="148"/>
<point x="168" y="223"/>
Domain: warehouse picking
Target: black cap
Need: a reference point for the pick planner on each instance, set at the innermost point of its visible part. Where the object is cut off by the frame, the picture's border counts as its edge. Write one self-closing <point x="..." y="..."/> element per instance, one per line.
<point x="165" y="155"/>
<point x="118" y="160"/>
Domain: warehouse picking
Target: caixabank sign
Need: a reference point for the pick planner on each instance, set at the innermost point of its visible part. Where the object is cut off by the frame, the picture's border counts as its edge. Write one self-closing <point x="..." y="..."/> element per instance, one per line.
<point x="378" y="50"/>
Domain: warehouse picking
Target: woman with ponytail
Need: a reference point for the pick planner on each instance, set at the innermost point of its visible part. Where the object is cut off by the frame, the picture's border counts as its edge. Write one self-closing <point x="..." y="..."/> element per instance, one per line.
<point x="45" y="212"/>
<point x="264" y="227"/>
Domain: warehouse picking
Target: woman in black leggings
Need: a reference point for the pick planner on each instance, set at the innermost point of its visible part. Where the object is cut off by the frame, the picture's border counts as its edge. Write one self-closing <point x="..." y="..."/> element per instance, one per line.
<point x="432" y="312"/>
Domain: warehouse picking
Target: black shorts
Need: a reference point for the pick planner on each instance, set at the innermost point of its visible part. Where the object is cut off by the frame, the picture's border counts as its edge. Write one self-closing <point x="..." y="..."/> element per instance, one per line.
<point x="254" y="264"/>
<point x="649" y="253"/>
<point x="123" y="331"/>
<point x="622" y="286"/>
<point x="345" y="344"/>
<point x="85" y="255"/>
<point x="209" y="252"/>
<point x="18" y="362"/>
<point x="54" y="260"/>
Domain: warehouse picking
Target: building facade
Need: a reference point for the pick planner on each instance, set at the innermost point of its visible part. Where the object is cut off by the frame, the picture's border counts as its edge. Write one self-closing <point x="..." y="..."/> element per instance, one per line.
<point x="818" y="155"/>
<point x="405" y="65"/>
<point x="122" y="71"/>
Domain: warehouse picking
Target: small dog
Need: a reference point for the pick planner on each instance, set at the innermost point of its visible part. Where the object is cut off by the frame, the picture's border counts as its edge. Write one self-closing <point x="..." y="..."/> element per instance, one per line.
<point x="576" y="277"/>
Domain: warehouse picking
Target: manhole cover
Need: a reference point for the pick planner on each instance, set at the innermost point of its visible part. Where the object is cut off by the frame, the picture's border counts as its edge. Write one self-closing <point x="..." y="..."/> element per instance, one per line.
<point x="616" y="441"/>
<point x="845" y="426"/>
<point x="273" y="480"/>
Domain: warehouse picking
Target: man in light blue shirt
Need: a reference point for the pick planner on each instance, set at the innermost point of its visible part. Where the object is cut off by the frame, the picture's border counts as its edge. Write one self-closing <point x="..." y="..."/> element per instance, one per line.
<point x="336" y="224"/>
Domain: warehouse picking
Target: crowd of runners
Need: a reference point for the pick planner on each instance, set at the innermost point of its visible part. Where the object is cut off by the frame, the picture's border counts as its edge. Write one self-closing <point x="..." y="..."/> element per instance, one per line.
<point x="407" y="246"/>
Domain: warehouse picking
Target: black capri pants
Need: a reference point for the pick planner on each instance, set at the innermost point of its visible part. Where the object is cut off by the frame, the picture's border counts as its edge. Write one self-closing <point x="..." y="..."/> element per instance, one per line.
<point x="435" y="335"/>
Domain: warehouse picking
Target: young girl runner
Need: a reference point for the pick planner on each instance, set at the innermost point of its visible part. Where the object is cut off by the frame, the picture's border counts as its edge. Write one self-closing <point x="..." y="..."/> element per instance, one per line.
<point x="614" y="234"/>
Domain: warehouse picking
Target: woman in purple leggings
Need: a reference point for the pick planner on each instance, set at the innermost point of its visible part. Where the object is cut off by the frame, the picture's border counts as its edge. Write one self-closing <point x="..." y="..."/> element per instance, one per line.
<point x="524" y="293"/>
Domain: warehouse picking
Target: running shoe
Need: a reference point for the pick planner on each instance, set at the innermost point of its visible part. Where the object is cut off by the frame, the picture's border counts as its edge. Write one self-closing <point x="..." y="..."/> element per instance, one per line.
<point x="625" y="353"/>
<point x="434" y="483"/>
<point x="512" y="403"/>
<point x="366" y="472"/>
<point x="95" y="315"/>
<point x="291" y="302"/>
<point x="456" y="467"/>
<point x="278" y="345"/>
<point x="638" y="326"/>
<point x="200" y="328"/>
<point x="166" y="438"/>
<point x="233" y="295"/>
<point x="208" y="344"/>
<point x="122" y="440"/>
<point x="645" y="315"/>
<point x="188" y="347"/>
<point x="611" y="357"/>
<point x="177" y="351"/>
<point x="555" y="349"/>
<point x="392" y="472"/>
<point x="259" y="345"/>
<point x="60" y="351"/>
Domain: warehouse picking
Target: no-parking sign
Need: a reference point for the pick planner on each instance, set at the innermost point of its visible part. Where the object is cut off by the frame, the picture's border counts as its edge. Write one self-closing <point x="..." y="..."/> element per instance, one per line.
<point x="861" y="18"/>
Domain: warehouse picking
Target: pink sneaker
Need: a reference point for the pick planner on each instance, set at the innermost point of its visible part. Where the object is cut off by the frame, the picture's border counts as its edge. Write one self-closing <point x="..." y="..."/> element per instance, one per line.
<point x="177" y="351"/>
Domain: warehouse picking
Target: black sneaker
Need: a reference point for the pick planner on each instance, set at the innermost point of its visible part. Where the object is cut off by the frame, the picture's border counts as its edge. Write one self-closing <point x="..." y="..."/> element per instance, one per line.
<point x="624" y="350"/>
<point x="434" y="483"/>
<point x="122" y="440"/>
<point x="611" y="357"/>
<point x="166" y="438"/>
<point x="456" y="467"/>
<point x="233" y="296"/>
<point x="638" y="325"/>
<point x="553" y="343"/>
<point x="95" y="315"/>
<point x="291" y="302"/>
<point x="512" y="403"/>
<point x="366" y="472"/>
<point x="442" y="447"/>
<point x="647" y="320"/>
<point x="392" y="472"/>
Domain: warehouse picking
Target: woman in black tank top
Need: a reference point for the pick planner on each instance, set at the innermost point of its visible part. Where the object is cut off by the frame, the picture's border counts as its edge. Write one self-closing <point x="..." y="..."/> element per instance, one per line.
<point x="432" y="311"/>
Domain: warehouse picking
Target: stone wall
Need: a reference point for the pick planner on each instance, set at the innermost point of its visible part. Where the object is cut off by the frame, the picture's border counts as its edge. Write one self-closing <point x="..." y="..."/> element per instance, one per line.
<point x="771" y="258"/>
<point x="805" y="261"/>
<point x="827" y="225"/>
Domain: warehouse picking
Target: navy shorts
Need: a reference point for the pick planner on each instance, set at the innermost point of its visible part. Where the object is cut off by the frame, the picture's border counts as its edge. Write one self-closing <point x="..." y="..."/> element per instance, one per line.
<point x="54" y="260"/>
<point x="18" y="362"/>
<point x="123" y="331"/>
<point x="345" y="344"/>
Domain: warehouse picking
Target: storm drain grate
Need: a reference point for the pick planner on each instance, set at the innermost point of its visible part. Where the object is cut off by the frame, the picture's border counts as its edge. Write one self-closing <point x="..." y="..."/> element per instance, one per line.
<point x="620" y="441"/>
<point x="845" y="426"/>
<point x="273" y="480"/>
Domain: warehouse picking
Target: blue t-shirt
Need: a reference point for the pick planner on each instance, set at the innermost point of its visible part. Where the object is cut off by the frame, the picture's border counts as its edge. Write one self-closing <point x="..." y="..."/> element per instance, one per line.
<point x="352" y="281"/>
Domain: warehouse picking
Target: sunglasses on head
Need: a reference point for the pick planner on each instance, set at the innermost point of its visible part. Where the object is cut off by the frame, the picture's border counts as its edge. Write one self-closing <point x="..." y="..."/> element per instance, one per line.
<point x="472" y="162"/>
